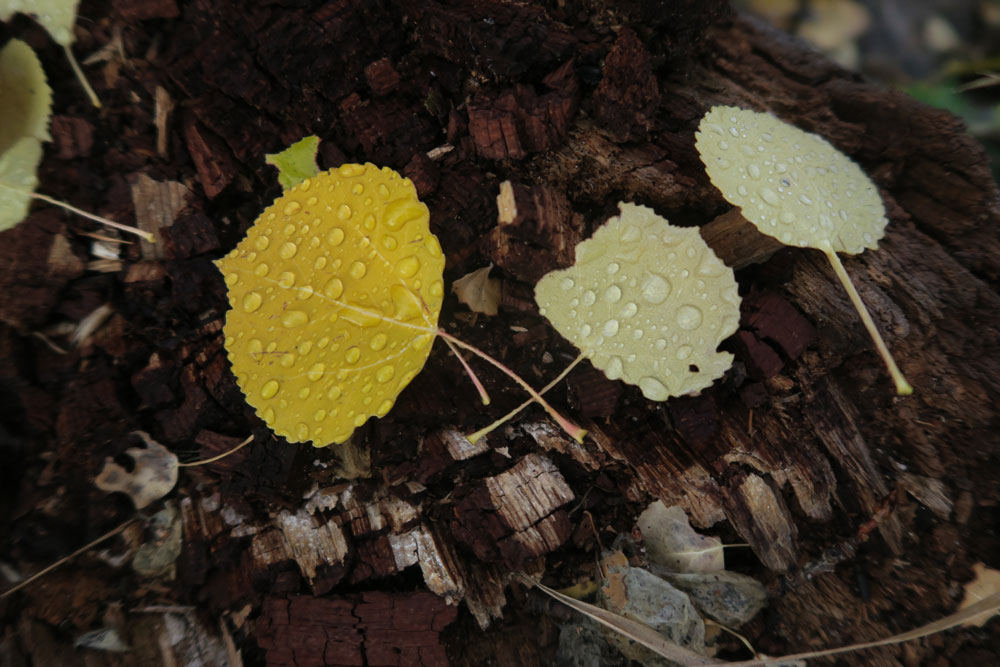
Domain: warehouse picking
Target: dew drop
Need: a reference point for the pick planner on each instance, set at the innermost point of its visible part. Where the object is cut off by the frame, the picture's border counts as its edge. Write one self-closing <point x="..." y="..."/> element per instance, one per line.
<point x="614" y="368"/>
<point x="268" y="416"/>
<point x="383" y="408"/>
<point x="610" y="328"/>
<point x="770" y="197"/>
<point x="661" y="344"/>
<point x="805" y="200"/>
<point x="585" y="330"/>
<point x="613" y="268"/>
<point x="408" y="266"/>
<point x="389" y="242"/>
<point x="252" y="301"/>
<point x="287" y="250"/>
<point x="335" y="237"/>
<point x="653" y="389"/>
<point x="344" y="212"/>
<point x="655" y="289"/>
<point x="315" y="372"/>
<point x="334" y="392"/>
<point x="334" y="288"/>
<point x="232" y="279"/>
<point x="312" y="201"/>
<point x="294" y="318"/>
<point x="724" y="145"/>
<point x="287" y="360"/>
<point x="385" y="374"/>
<point x="637" y="334"/>
<point x="269" y="389"/>
<point x="734" y="132"/>
<point x="723" y="163"/>
<point x="261" y="242"/>
<point x="286" y="279"/>
<point x="255" y="347"/>
<point x="567" y="283"/>
<point x="357" y="270"/>
<point x="787" y="217"/>
<point x="754" y="171"/>
<point x="261" y="270"/>
<point x="319" y="416"/>
<point x="422" y="341"/>
<point x="302" y="432"/>
<point x="688" y="317"/>
<point x="320" y="263"/>
<point x="630" y="309"/>
<point x="291" y="208"/>
<point x="350" y="170"/>
<point x="781" y="167"/>
<point x="352" y="355"/>
<point x="613" y="294"/>
<point x="400" y="212"/>
<point x="378" y="342"/>
<point x="684" y="351"/>
<point x="588" y="298"/>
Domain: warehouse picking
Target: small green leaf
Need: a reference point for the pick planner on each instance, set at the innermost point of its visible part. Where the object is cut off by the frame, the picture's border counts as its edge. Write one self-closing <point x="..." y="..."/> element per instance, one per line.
<point x="296" y="163"/>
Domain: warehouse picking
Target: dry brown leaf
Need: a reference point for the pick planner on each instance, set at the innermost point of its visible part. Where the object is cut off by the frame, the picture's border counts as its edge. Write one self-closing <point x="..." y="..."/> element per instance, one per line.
<point x="153" y="477"/>
<point x="672" y="544"/>
<point x="478" y="291"/>
<point x="986" y="583"/>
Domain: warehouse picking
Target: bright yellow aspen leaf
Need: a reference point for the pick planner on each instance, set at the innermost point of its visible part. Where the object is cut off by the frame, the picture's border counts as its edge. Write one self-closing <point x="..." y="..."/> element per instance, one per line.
<point x="335" y="294"/>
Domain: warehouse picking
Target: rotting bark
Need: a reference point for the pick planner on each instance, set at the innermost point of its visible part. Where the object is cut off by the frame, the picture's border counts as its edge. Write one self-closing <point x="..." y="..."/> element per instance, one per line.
<point x="795" y="450"/>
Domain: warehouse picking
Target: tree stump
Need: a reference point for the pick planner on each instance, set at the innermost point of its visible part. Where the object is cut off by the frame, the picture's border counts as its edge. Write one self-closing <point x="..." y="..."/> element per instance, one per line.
<point x="359" y="554"/>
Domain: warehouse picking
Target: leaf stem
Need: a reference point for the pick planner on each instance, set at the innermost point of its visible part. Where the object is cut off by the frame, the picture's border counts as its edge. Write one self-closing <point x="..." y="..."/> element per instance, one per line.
<point x="903" y="387"/>
<point x="572" y="429"/>
<point x="80" y="75"/>
<point x="513" y="413"/>
<point x="104" y="221"/>
<point x="220" y="456"/>
<point x="108" y="535"/>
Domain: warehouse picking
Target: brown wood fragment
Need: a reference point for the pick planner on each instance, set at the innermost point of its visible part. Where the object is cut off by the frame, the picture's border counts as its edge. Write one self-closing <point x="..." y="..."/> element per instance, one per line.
<point x="424" y="172"/>
<point x="773" y="318"/>
<point x="213" y="160"/>
<point x="627" y="98"/>
<point x="372" y="628"/>
<point x="518" y="122"/>
<point x="591" y="393"/>
<point x="188" y="236"/>
<point x="382" y="77"/>
<point x="164" y="105"/>
<point x="74" y="136"/>
<point x="736" y="241"/>
<point x="761" y="360"/>
<point x="537" y="231"/>
<point x="157" y="204"/>
<point x="29" y="281"/>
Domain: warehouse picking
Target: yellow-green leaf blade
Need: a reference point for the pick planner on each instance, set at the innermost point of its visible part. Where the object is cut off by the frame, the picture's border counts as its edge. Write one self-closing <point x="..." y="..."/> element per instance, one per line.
<point x="335" y="294"/>
<point x="647" y="303"/>
<point x="56" y="16"/>
<point x="296" y="163"/>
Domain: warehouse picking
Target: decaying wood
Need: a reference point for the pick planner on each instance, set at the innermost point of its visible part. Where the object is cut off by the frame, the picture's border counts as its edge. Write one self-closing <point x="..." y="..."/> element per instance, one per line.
<point x="563" y="109"/>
